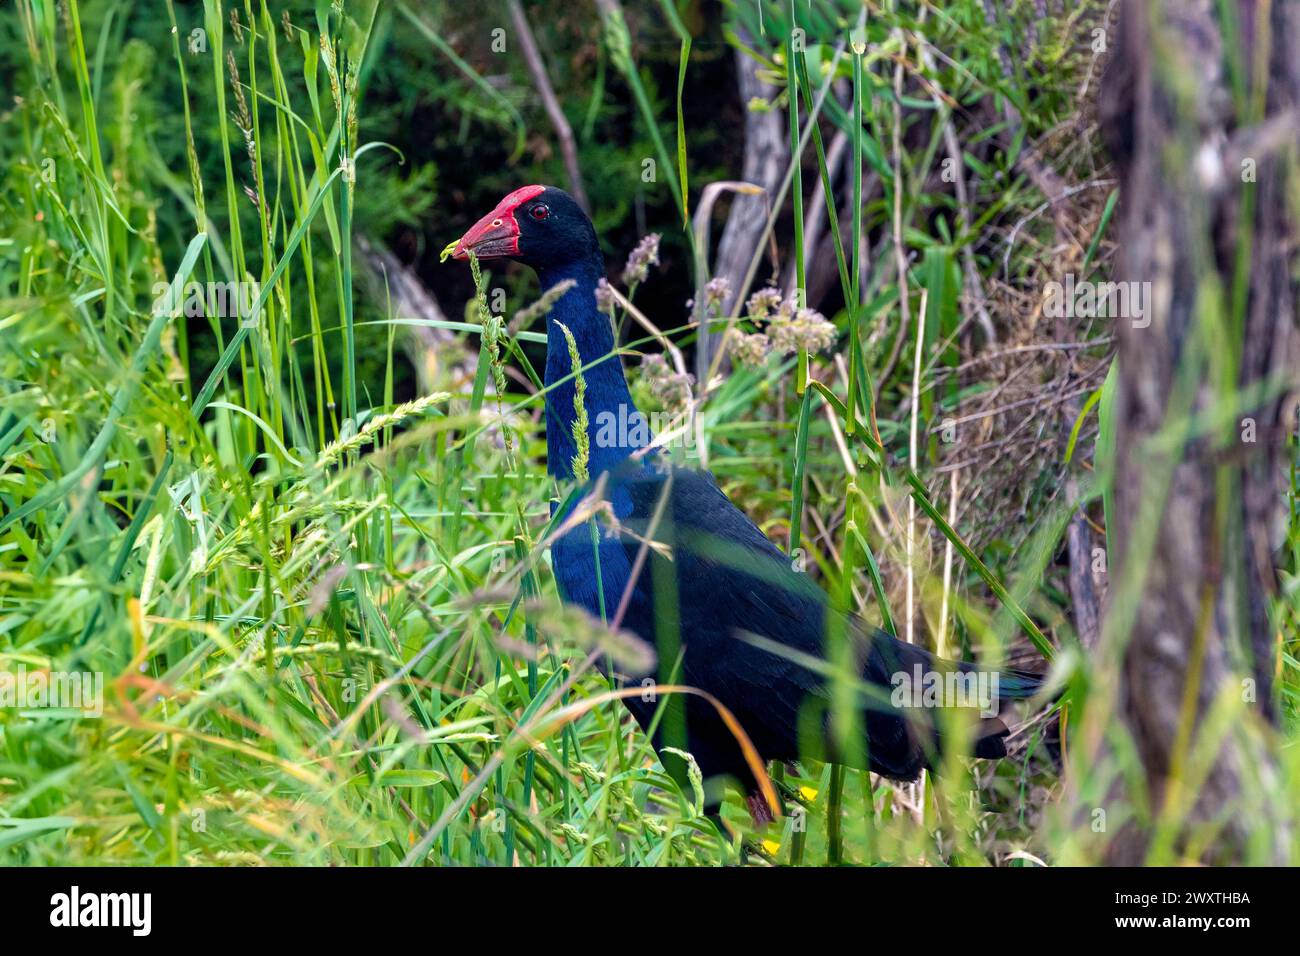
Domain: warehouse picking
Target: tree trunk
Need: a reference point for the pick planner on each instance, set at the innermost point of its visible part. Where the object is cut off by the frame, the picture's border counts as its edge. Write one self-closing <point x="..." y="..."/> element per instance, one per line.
<point x="766" y="155"/>
<point x="1207" y="377"/>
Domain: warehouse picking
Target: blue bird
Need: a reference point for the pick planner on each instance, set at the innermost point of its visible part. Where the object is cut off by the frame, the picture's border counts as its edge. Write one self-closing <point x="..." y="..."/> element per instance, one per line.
<point x="725" y="609"/>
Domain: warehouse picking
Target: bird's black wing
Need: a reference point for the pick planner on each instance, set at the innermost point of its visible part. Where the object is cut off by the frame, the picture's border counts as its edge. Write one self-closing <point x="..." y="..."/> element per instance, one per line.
<point x="755" y="628"/>
<point x="735" y="590"/>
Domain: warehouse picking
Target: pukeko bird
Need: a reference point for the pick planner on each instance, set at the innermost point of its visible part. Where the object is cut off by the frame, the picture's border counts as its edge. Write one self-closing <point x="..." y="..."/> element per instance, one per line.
<point x="724" y="607"/>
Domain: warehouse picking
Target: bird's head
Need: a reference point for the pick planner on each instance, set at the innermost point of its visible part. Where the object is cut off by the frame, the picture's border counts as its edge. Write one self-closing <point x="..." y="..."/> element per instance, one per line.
<point x="540" y="226"/>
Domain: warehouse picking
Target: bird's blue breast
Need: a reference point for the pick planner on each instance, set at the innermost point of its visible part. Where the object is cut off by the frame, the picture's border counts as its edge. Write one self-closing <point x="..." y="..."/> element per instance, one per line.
<point x="579" y="562"/>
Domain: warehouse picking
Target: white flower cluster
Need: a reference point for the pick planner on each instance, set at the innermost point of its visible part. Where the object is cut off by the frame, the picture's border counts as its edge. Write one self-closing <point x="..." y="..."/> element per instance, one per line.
<point x="788" y="328"/>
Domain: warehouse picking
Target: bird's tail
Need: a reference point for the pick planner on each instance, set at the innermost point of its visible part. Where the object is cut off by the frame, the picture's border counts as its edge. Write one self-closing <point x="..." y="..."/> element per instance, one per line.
<point x="990" y="739"/>
<point x="991" y="732"/>
<point x="911" y="734"/>
<point x="1018" y="685"/>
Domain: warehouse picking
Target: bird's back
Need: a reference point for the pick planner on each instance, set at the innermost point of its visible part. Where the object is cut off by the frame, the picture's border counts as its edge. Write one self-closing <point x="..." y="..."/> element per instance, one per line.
<point x="731" y="614"/>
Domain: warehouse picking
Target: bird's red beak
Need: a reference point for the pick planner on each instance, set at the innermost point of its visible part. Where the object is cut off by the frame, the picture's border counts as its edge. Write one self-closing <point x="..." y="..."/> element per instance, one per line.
<point x="496" y="235"/>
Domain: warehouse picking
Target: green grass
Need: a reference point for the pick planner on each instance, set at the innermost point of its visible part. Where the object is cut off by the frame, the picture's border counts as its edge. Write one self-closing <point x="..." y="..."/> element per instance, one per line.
<point x="325" y="615"/>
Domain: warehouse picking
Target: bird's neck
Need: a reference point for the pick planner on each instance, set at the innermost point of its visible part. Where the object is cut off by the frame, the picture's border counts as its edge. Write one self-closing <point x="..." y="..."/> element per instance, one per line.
<point x="612" y="419"/>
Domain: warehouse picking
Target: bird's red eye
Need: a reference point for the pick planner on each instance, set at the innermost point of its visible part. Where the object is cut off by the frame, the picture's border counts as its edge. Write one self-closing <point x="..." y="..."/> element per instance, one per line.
<point x="540" y="211"/>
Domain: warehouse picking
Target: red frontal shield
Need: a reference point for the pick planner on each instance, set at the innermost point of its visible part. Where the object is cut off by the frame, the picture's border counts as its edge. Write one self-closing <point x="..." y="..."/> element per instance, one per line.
<point x="497" y="234"/>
